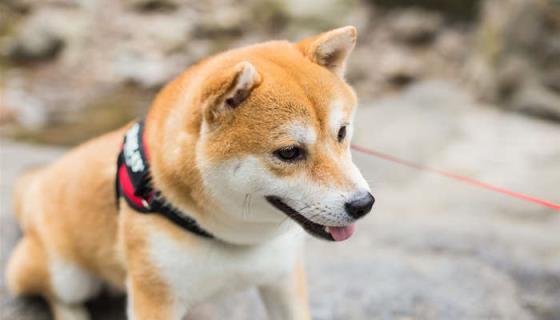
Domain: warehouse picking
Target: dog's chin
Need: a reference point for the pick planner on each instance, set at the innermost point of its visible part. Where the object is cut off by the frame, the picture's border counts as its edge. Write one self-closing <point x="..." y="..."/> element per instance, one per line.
<point x="320" y="231"/>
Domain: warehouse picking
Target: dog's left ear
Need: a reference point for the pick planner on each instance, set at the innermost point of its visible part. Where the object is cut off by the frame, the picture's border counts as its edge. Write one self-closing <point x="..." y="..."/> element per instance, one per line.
<point x="331" y="49"/>
<point x="227" y="90"/>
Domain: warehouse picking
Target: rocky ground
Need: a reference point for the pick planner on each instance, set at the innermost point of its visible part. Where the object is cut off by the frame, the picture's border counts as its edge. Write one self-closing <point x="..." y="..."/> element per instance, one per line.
<point x="433" y="248"/>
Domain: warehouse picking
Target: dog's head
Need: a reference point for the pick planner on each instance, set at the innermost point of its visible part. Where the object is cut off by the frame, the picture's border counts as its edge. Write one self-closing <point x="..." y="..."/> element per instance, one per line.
<point x="277" y="120"/>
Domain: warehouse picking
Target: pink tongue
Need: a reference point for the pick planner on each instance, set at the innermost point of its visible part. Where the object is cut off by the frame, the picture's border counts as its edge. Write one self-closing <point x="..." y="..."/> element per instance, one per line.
<point x="341" y="233"/>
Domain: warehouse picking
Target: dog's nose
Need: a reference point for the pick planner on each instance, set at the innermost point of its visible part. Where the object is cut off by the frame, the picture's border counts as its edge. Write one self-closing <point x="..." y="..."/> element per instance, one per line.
<point x="360" y="206"/>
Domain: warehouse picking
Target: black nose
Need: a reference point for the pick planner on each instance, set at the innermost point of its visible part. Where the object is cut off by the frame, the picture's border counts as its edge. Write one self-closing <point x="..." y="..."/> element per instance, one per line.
<point x="360" y="206"/>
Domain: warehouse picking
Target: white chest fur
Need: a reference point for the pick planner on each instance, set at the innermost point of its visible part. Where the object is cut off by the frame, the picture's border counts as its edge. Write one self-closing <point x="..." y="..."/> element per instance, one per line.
<point x="200" y="269"/>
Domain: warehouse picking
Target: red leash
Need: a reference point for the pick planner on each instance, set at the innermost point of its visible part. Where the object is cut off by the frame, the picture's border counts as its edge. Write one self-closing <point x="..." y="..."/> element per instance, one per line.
<point x="457" y="177"/>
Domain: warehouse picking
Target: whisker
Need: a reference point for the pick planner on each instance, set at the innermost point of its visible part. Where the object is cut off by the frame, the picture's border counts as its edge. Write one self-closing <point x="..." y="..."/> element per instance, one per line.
<point x="314" y="216"/>
<point x="249" y="202"/>
<point x="245" y="207"/>
<point x="282" y="222"/>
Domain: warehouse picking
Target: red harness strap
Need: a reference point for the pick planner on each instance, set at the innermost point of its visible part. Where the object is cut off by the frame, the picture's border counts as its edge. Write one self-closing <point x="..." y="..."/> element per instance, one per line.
<point x="134" y="184"/>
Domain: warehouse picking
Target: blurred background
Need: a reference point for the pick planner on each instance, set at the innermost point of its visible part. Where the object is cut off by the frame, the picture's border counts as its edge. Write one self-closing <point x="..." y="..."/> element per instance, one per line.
<point x="472" y="87"/>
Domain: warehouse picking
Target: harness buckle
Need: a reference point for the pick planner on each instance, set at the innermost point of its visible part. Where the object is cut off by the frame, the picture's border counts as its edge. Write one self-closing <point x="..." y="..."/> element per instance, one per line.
<point x="146" y="204"/>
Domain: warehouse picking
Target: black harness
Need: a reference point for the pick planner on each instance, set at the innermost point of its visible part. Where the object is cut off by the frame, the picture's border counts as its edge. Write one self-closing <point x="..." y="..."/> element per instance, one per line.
<point x="133" y="183"/>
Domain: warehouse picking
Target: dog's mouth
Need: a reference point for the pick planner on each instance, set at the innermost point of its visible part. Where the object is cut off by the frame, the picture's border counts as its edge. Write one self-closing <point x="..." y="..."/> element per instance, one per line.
<point x="329" y="233"/>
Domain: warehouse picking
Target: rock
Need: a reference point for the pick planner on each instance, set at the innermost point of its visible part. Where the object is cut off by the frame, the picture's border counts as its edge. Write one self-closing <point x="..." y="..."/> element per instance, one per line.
<point x="45" y="32"/>
<point x="145" y="70"/>
<point x="18" y="6"/>
<point x="229" y="21"/>
<point x="35" y="44"/>
<point x="537" y="101"/>
<point x="415" y="26"/>
<point x="152" y="53"/>
<point x="503" y="62"/>
<point x="7" y="116"/>
<point x="552" y="79"/>
<point x="487" y="241"/>
<point x="458" y="10"/>
<point x="323" y="9"/>
<point x="309" y="17"/>
<point x="451" y="45"/>
<point x="27" y="110"/>
<point x="400" y="68"/>
<point x="153" y="5"/>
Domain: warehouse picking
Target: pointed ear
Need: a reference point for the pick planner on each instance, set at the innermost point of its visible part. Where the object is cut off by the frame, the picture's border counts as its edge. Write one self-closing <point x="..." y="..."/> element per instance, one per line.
<point x="228" y="90"/>
<point x="330" y="49"/>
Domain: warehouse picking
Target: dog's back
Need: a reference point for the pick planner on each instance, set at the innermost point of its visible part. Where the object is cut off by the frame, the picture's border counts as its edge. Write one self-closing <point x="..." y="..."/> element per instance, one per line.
<point x="23" y="184"/>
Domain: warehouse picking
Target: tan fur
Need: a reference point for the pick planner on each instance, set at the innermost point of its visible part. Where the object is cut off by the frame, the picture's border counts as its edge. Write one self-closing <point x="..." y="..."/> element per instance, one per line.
<point x="27" y="271"/>
<point x="150" y="293"/>
<point x="68" y="211"/>
<point x="301" y="287"/>
<point x="22" y="184"/>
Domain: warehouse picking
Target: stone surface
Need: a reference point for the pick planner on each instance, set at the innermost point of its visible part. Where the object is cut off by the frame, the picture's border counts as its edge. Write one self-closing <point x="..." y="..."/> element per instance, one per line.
<point x="415" y="26"/>
<point x="43" y="35"/>
<point x="433" y="248"/>
<point x="514" y="58"/>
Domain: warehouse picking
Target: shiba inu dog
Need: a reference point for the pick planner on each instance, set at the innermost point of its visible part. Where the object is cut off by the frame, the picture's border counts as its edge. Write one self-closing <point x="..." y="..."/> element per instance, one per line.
<point x="211" y="192"/>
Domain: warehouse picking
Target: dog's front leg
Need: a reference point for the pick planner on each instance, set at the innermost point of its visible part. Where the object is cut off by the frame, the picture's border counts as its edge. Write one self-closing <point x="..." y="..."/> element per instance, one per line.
<point x="150" y="301"/>
<point x="286" y="299"/>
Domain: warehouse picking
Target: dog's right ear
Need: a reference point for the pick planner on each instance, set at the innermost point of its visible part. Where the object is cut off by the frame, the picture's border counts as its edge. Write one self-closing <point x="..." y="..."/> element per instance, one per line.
<point x="330" y="49"/>
<point x="228" y="90"/>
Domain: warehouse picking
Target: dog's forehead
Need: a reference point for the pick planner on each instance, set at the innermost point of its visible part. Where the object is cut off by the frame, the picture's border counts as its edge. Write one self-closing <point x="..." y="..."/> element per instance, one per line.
<point x="308" y="126"/>
<point x="303" y="103"/>
<point x="330" y="102"/>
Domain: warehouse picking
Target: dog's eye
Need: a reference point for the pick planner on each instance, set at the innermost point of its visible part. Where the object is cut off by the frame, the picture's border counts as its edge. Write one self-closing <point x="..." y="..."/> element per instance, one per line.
<point x="288" y="154"/>
<point x="341" y="134"/>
